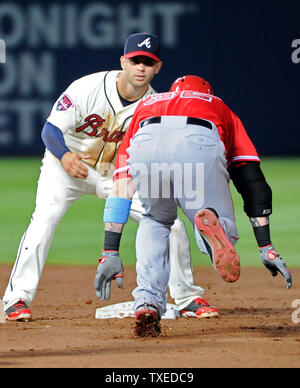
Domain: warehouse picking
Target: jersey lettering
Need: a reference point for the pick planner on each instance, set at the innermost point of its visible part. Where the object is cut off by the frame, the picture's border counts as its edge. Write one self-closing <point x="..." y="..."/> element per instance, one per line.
<point x="159" y="97"/>
<point x="104" y="133"/>
<point x="94" y="122"/>
<point x="114" y="137"/>
<point x="193" y="94"/>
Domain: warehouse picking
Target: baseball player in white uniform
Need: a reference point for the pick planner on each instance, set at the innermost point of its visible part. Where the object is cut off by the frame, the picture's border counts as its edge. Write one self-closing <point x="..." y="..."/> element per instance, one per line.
<point x="82" y="136"/>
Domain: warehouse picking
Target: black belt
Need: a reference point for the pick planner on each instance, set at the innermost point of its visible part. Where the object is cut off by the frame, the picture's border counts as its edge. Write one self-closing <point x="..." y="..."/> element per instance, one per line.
<point x="189" y="120"/>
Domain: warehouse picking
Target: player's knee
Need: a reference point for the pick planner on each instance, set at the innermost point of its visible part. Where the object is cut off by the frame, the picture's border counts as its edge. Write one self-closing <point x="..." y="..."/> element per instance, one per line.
<point x="48" y="217"/>
<point x="178" y="226"/>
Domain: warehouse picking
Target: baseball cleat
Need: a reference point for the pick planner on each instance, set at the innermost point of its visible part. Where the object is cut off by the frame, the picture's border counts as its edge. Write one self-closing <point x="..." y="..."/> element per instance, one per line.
<point x="199" y="308"/>
<point x="147" y="322"/>
<point x="18" y="312"/>
<point x="223" y="254"/>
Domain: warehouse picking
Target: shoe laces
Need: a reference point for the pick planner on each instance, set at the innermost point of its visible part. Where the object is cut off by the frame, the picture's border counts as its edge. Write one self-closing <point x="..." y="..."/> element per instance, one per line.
<point x="201" y="302"/>
<point x="19" y="304"/>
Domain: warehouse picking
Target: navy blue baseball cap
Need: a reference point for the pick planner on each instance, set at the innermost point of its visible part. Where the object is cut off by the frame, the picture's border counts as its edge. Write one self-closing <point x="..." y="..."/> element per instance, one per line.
<point x="142" y="44"/>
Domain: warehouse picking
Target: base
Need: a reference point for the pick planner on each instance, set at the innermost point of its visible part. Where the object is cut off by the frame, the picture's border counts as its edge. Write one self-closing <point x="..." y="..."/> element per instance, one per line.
<point x="126" y="310"/>
<point x="2" y="313"/>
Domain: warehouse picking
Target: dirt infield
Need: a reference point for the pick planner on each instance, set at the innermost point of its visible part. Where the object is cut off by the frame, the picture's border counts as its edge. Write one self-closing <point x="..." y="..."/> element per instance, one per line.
<point x="255" y="327"/>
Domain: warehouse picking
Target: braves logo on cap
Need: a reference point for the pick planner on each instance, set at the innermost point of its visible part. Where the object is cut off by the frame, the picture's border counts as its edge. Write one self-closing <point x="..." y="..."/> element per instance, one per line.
<point x="146" y="42"/>
<point x="64" y="103"/>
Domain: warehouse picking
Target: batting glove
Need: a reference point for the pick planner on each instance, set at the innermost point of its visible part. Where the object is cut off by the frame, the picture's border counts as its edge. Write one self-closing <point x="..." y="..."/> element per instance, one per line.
<point x="274" y="263"/>
<point x="110" y="267"/>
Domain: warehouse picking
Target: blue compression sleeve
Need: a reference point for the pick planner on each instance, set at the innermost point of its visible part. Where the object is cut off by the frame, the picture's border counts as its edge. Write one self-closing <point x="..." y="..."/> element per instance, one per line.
<point x="116" y="210"/>
<point x="54" y="140"/>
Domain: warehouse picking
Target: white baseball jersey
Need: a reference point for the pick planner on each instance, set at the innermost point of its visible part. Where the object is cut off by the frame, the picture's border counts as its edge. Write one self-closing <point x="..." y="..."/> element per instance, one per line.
<point x="91" y="123"/>
<point x="93" y="120"/>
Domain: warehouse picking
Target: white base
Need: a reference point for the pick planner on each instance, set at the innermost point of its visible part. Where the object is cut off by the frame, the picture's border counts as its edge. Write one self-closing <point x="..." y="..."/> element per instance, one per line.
<point x="2" y="313"/>
<point x="125" y="310"/>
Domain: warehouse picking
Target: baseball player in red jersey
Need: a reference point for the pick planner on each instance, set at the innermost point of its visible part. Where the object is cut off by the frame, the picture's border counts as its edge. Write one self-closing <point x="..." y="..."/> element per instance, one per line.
<point x="176" y="141"/>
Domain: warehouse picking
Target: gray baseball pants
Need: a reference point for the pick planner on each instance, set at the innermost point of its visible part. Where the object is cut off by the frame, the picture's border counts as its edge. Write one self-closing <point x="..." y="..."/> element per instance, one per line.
<point x="174" y="164"/>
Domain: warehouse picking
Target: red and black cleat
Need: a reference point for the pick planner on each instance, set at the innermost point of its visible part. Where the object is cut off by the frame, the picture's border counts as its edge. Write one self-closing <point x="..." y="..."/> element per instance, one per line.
<point x="147" y="322"/>
<point x="18" y="312"/>
<point x="223" y="254"/>
<point x="199" y="308"/>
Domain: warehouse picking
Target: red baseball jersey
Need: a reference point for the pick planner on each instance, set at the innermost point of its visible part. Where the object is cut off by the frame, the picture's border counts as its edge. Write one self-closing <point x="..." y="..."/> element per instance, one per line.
<point x="238" y="146"/>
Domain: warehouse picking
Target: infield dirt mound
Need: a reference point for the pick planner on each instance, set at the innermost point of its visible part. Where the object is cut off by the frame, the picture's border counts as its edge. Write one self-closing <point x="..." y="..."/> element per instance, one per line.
<point x="255" y="327"/>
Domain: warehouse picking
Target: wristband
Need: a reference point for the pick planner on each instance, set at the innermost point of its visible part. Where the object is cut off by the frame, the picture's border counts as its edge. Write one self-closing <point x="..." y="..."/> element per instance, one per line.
<point x="262" y="235"/>
<point x="116" y="210"/>
<point x="112" y="241"/>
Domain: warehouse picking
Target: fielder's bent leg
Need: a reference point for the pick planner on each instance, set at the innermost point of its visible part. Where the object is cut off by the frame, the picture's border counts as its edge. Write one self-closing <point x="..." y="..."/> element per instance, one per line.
<point x="55" y="193"/>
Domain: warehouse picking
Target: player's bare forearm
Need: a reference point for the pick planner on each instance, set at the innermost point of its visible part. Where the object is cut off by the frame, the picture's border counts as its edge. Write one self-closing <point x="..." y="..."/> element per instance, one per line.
<point x="112" y="227"/>
<point x="259" y="221"/>
<point x="123" y="188"/>
<point x="116" y="212"/>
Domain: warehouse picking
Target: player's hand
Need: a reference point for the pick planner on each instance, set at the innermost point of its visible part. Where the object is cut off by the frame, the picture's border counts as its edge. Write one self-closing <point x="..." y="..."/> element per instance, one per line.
<point x="110" y="267"/>
<point x="274" y="263"/>
<point x="72" y="164"/>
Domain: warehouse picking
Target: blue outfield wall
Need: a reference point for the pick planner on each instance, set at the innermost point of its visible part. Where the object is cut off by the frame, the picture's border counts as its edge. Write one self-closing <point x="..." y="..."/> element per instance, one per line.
<point x="248" y="50"/>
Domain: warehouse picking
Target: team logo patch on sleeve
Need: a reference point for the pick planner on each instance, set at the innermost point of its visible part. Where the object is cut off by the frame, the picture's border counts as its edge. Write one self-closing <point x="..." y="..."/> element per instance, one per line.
<point x="64" y="103"/>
